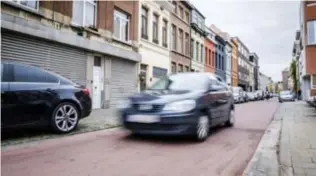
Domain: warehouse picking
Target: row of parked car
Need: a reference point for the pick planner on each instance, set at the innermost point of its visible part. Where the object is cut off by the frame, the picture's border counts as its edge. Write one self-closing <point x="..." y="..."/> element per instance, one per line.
<point x="241" y="96"/>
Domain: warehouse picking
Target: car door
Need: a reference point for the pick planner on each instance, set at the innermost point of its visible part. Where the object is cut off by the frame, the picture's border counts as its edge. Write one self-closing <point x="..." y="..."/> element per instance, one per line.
<point x="222" y="101"/>
<point x="31" y="93"/>
<point x="6" y="111"/>
<point x="214" y="101"/>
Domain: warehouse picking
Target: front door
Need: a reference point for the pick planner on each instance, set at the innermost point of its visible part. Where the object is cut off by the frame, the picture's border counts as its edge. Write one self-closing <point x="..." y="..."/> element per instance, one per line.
<point x="97" y="83"/>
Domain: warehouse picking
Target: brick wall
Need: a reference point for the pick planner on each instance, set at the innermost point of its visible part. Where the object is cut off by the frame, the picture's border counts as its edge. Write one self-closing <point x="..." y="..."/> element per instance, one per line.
<point x="310" y="14"/>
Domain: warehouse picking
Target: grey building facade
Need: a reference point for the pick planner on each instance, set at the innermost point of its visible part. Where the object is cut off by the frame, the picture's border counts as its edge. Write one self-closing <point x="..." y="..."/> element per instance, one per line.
<point x="220" y="56"/>
<point x="255" y="60"/>
<point x="243" y="64"/>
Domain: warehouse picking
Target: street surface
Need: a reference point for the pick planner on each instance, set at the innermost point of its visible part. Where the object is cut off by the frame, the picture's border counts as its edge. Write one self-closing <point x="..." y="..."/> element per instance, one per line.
<point x="110" y="153"/>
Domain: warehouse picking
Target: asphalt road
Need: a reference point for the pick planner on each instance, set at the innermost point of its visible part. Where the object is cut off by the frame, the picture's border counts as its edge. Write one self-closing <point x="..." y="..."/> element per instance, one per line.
<point x="115" y="153"/>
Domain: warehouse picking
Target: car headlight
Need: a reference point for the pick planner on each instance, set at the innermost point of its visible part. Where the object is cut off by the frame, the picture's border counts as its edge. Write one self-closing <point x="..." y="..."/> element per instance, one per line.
<point x="180" y="106"/>
<point x="125" y="104"/>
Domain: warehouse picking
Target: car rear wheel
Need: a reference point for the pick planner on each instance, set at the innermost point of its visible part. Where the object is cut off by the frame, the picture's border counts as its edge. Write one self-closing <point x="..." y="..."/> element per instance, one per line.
<point x="65" y="118"/>
<point x="202" y="129"/>
<point x="231" y="119"/>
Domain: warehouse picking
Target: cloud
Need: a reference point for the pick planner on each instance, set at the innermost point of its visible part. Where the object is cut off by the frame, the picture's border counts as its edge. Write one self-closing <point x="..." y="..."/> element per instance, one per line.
<point x="266" y="27"/>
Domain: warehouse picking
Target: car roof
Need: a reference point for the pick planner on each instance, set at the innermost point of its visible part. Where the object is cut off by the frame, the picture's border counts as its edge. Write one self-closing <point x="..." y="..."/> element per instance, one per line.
<point x="197" y="74"/>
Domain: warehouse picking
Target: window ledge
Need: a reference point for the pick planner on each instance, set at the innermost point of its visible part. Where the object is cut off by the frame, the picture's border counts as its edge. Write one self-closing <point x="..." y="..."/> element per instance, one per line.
<point x="311" y="45"/>
<point x="128" y="43"/>
<point x="27" y="9"/>
<point x="180" y="53"/>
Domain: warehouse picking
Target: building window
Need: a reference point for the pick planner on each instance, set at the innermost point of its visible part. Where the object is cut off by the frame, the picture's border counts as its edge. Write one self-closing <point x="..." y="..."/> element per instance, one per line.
<point x="187" y="69"/>
<point x="180" y="41"/>
<point x="180" y="68"/>
<point x="121" y="25"/>
<point x="195" y="17"/>
<point x="187" y="17"/>
<point x="155" y="29"/>
<point x="144" y="28"/>
<point x="202" y="53"/>
<point x="173" y="37"/>
<point x="173" y="67"/>
<point x="187" y="44"/>
<point x="175" y="10"/>
<point x="209" y="57"/>
<point x="311" y="32"/>
<point x="159" y="72"/>
<point x="213" y="59"/>
<point x="181" y="12"/>
<point x="197" y="51"/>
<point x="192" y="48"/>
<point x="29" y="4"/>
<point x="164" y="33"/>
<point x="83" y="13"/>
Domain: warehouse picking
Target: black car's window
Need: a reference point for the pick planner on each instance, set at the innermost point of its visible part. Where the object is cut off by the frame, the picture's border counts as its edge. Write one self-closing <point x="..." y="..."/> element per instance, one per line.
<point x="2" y="71"/>
<point x="23" y="73"/>
<point x="5" y="76"/>
<point x="181" y="82"/>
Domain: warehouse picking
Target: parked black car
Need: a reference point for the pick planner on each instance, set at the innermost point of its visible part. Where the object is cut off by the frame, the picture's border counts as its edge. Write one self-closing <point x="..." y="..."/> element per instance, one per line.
<point x="180" y="104"/>
<point x="32" y="97"/>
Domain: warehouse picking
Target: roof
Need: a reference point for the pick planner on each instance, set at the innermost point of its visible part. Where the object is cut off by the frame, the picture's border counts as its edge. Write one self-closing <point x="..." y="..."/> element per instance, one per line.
<point x="243" y="44"/>
<point x="197" y="10"/>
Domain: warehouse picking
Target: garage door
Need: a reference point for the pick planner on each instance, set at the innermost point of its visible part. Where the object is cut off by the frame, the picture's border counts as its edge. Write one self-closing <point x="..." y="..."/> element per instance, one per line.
<point x="62" y="59"/>
<point x="123" y="81"/>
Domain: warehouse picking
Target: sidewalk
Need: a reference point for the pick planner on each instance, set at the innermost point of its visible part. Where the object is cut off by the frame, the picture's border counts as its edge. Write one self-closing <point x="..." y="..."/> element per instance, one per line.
<point x="298" y="139"/>
<point x="288" y="146"/>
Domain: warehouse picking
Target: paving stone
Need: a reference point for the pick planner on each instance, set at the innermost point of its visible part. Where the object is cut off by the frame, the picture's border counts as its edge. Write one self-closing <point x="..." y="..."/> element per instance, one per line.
<point x="310" y="172"/>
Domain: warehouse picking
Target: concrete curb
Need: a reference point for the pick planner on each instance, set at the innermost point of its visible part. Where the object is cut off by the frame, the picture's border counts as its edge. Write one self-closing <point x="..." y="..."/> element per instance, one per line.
<point x="265" y="161"/>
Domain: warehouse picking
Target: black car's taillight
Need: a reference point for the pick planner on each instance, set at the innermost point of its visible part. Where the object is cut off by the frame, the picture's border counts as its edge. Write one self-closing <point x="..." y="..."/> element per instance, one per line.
<point x="86" y="91"/>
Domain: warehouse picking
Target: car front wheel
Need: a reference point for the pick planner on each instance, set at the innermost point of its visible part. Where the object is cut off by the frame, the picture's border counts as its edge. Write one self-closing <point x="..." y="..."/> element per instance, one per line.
<point x="65" y="118"/>
<point x="202" y="129"/>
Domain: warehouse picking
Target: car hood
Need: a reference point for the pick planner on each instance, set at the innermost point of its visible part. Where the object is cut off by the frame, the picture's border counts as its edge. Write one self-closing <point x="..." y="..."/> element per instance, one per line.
<point x="164" y="96"/>
<point x="286" y="96"/>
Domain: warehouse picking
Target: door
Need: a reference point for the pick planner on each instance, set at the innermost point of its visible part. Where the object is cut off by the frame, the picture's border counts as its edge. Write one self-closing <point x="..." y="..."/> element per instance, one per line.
<point x="98" y="75"/>
<point x="32" y="93"/>
<point x="213" y="97"/>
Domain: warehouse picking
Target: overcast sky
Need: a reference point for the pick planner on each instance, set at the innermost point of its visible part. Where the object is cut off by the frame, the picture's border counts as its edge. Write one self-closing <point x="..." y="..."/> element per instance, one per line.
<point x="266" y="27"/>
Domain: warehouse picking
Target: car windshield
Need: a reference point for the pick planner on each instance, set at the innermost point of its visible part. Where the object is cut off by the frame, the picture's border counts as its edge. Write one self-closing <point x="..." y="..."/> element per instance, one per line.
<point x="181" y="82"/>
<point x="285" y="93"/>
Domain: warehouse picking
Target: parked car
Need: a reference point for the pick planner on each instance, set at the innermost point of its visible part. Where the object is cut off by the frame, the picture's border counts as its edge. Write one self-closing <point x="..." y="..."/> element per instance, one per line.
<point x="244" y="96"/>
<point x="251" y="96"/>
<point x="31" y="97"/>
<point x="180" y="104"/>
<point x="286" y="95"/>
<point x="312" y="101"/>
<point x="238" y="94"/>
<point x="260" y="94"/>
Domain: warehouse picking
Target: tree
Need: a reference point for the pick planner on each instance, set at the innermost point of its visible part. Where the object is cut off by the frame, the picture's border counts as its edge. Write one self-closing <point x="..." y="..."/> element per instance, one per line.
<point x="293" y="74"/>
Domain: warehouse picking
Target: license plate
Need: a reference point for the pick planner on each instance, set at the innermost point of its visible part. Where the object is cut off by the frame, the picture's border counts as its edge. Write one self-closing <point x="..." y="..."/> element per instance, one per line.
<point x="143" y="118"/>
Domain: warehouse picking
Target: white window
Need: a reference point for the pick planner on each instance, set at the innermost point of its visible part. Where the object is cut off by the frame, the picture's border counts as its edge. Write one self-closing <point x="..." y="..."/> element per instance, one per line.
<point x="311" y="32"/>
<point x="121" y="26"/>
<point x="84" y="13"/>
<point x="29" y="4"/>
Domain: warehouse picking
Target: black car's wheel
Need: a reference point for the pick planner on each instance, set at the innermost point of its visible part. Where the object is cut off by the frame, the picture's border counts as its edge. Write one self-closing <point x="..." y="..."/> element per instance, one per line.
<point x="231" y="118"/>
<point x="203" y="128"/>
<point x="65" y="118"/>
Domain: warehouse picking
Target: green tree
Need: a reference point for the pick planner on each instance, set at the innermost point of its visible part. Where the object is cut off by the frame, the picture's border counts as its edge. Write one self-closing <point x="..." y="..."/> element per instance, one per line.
<point x="293" y="74"/>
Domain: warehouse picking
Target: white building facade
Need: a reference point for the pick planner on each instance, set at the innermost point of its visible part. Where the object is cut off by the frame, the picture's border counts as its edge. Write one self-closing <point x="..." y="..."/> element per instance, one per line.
<point x="154" y="32"/>
<point x="228" y="52"/>
<point x="264" y="81"/>
<point x="198" y="35"/>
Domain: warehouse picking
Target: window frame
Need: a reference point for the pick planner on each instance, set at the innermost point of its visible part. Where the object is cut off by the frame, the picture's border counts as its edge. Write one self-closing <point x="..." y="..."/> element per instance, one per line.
<point x="120" y="14"/>
<point x="313" y="23"/>
<point x="144" y="17"/>
<point x="180" y="35"/>
<point x="181" y="11"/>
<point x="174" y="37"/>
<point x="84" y="13"/>
<point x="18" y="2"/>
<point x="165" y="33"/>
<point x="187" y="44"/>
<point x="155" y="25"/>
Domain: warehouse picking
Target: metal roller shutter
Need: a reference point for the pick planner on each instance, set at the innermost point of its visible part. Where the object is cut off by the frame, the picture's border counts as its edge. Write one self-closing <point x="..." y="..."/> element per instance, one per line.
<point x="62" y="59"/>
<point x="123" y="81"/>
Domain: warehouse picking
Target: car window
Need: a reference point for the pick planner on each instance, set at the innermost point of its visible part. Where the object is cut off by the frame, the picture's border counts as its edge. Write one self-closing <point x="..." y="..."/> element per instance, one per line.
<point x="2" y="70"/>
<point x="23" y="73"/>
<point x="181" y="82"/>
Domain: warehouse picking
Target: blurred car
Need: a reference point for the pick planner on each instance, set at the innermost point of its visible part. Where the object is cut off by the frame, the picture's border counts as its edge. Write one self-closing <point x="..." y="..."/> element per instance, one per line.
<point x="312" y="101"/>
<point x="286" y="95"/>
<point x="32" y="97"/>
<point x="180" y="104"/>
<point x="260" y="95"/>
<point x="251" y="96"/>
<point x="245" y="97"/>
<point x="238" y="94"/>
